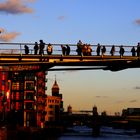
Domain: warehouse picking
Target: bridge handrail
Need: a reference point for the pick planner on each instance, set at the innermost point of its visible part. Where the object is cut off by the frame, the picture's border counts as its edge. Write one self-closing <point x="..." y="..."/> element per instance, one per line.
<point x="18" y="48"/>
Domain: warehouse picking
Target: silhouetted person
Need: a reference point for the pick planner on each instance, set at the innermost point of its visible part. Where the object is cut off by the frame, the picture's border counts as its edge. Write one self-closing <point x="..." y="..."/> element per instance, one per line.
<point x="67" y="50"/>
<point x="121" y="51"/>
<point x="26" y="49"/>
<point x="84" y="49"/>
<point x="138" y="49"/>
<point x="112" y="51"/>
<point x="103" y="50"/>
<point x="79" y="47"/>
<point x="35" y="48"/>
<point x="63" y="50"/>
<point x="98" y="49"/>
<point x="49" y="49"/>
<point x="89" y="50"/>
<point x="133" y="51"/>
<point x="41" y="47"/>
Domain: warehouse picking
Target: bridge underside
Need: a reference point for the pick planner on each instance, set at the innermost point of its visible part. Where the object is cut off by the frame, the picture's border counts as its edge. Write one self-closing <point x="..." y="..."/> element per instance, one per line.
<point x="19" y="62"/>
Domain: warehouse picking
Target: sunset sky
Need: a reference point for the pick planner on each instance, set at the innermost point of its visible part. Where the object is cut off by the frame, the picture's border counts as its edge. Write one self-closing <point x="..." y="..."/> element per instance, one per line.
<point x="92" y="21"/>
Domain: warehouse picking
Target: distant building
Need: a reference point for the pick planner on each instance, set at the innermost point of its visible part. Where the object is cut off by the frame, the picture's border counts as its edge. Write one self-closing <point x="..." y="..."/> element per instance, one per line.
<point x="54" y="104"/>
<point x="69" y="110"/>
<point x="94" y="111"/>
<point x="131" y="112"/>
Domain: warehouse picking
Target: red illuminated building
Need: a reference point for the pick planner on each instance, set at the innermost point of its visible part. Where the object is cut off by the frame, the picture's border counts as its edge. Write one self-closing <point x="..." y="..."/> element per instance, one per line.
<point x="22" y="95"/>
<point x="4" y="91"/>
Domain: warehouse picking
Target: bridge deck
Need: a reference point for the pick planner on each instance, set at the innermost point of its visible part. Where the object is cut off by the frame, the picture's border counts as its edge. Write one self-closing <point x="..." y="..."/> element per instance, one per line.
<point x="17" y="57"/>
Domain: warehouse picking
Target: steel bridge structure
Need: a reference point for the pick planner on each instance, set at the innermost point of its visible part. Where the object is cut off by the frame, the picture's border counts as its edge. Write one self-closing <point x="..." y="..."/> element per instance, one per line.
<point x="13" y="58"/>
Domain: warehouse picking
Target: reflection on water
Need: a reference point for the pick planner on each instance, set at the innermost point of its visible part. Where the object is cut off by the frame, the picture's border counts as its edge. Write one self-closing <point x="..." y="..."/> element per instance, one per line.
<point x="79" y="133"/>
<point x="3" y="134"/>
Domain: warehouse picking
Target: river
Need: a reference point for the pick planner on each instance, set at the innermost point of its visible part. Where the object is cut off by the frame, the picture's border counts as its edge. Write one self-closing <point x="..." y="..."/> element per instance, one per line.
<point x="83" y="133"/>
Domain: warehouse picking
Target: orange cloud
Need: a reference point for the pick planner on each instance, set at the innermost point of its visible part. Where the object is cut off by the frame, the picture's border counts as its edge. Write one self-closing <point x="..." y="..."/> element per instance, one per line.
<point x="15" y="7"/>
<point x="7" y="36"/>
<point x="133" y="101"/>
<point x="2" y="30"/>
<point x="138" y="21"/>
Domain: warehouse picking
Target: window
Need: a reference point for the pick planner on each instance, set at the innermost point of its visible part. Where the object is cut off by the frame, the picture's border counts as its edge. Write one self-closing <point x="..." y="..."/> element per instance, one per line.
<point x="29" y="85"/>
<point x="29" y="95"/>
<point x="3" y="82"/>
<point x="15" y="86"/>
<point x="51" y="119"/>
<point x="51" y="113"/>
<point x="50" y="106"/>
<point x="30" y="76"/>
<point x="29" y="106"/>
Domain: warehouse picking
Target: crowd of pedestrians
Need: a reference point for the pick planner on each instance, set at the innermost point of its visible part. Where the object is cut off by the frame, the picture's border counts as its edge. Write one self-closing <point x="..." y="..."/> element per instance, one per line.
<point x="83" y="49"/>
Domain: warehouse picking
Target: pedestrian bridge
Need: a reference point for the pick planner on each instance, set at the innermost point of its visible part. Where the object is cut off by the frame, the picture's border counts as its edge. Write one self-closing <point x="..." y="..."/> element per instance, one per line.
<point x="13" y="58"/>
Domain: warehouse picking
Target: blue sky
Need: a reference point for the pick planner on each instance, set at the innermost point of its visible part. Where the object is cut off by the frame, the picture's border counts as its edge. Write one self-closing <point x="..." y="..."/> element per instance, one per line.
<point x="92" y="21"/>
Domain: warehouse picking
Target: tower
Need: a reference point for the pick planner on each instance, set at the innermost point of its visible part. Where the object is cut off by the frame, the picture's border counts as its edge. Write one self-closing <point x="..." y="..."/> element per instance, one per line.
<point x="54" y="104"/>
<point x="69" y="110"/>
<point x="94" y="111"/>
<point x="55" y="89"/>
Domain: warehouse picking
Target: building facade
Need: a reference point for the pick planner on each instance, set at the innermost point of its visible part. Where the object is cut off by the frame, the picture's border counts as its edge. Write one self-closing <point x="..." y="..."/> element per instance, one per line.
<point x="4" y="93"/>
<point x="27" y="98"/>
<point x="54" y="104"/>
<point x="131" y="112"/>
<point x="23" y="98"/>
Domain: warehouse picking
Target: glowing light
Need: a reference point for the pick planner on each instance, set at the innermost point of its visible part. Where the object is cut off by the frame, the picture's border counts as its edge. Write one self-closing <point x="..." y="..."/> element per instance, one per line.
<point x="8" y="94"/>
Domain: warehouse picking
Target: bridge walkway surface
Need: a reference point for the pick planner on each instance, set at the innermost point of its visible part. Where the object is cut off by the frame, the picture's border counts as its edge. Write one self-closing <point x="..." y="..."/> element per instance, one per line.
<point x="13" y="56"/>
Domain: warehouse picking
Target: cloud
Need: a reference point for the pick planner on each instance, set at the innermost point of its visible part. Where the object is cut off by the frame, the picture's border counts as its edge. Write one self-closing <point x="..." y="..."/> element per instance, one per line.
<point x="101" y="96"/>
<point x="2" y="30"/>
<point x="29" y="0"/>
<point x="15" y="7"/>
<point x="138" y="21"/>
<point x="137" y="87"/>
<point x="133" y="101"/>
<point x="61" y="17"/>
<point x="7" y="36"/>
<point x="119" y="101"/>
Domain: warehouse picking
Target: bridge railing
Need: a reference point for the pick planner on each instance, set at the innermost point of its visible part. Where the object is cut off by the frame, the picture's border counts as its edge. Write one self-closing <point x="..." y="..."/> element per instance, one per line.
<point x="18" y="48"/>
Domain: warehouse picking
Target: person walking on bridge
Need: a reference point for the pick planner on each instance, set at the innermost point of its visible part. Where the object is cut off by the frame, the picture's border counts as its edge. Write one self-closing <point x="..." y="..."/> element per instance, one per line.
<point x="133" y="51"/>
<point x="98" y="50"/>
<point x="79" y="47"/>
<point x="121" y="51"/>
<point x="36" y="48"/>
<point x="89" y="50"/>
<point x="112" y="51"/>
<point x="26" y="49"/>
<point x="103" y="50"/>
<point x="67" y="50"/>
<point x="63" y="50"/>
<point x="41" y="47"/>
<point x="49" y="49"/>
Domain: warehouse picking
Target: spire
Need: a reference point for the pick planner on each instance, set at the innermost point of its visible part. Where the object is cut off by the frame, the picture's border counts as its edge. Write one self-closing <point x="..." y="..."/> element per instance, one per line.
<point x="55" y="87"/>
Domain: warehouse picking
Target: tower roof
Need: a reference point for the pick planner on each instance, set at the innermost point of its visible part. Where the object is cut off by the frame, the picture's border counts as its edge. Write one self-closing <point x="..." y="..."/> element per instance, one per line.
<point x="55" y="85"/>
